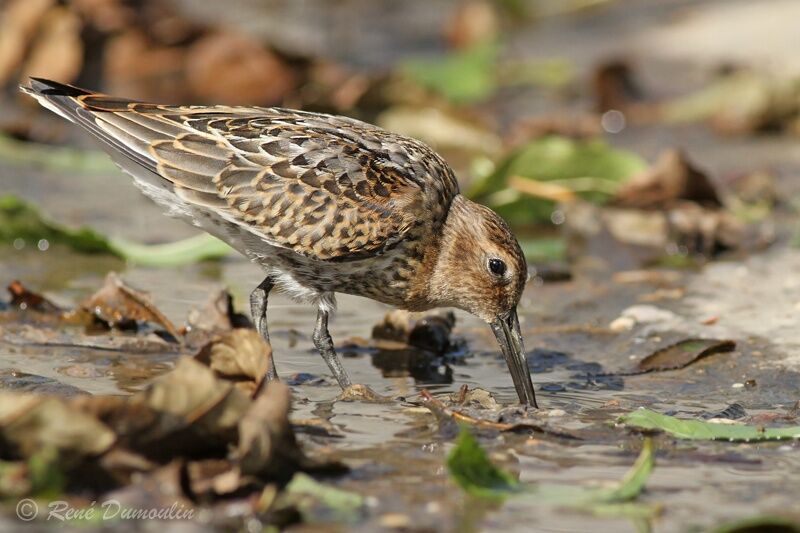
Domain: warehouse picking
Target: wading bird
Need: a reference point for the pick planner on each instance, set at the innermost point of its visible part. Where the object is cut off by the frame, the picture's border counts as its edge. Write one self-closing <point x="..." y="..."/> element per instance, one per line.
<point x="324" y="204"/>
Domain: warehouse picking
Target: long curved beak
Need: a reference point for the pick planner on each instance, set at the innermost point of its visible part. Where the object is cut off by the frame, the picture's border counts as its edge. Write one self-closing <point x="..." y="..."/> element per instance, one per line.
<point x="506" y="329"/>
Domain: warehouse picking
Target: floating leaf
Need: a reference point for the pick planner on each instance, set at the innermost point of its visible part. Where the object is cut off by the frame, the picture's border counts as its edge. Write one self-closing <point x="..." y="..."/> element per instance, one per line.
<point x="565" y="167"/>
<point x="471" y="469"/>
<point x="683" y="354"/>
<point x="700" y="430"/>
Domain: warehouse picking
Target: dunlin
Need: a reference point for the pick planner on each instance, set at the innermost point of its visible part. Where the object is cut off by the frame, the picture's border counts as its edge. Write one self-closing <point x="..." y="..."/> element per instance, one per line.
<point x="323" y="203"/>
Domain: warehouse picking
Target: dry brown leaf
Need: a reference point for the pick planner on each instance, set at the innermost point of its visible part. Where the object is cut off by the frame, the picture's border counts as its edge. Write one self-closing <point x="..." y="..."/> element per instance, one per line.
<point x="240" y="355"/>
<point x="117" y="304"/>
<point x="30" y="423"/>
<point x="26" y="300"/>
<point x="233" y="69"/>
<point x="683" y="354"/>
<point x="267" y="445"/>
<point x="138" y="68"/>
<point x="671" y="178"/>
<point x="57" y="52"/>
<point x="18" y="26"/>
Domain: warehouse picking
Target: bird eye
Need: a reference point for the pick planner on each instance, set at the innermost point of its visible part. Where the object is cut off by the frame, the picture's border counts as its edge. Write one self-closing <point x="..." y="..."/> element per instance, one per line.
<point x="497" y="267"/>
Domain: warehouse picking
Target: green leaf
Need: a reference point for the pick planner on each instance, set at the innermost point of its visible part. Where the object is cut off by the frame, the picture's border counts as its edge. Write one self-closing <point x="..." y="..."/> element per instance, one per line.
<point x="544" y="248"/>
<point x="635" y="479"/>
<point x="188" y="251"/>
<point x="20" y="220"/>
<point x="461" y="77"/>
<point x="701" y="430"/>
<point x="318" y="502"/>
<point x="471" y="469"/>
<point x="590" y="168"/>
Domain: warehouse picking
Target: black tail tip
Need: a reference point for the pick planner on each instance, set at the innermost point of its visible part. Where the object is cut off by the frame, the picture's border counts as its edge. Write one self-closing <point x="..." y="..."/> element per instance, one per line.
<point x="51" y="88"/>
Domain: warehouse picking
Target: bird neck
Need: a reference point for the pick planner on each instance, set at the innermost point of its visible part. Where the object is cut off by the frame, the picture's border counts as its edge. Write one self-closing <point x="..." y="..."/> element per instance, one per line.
<point x="453" y="242"/>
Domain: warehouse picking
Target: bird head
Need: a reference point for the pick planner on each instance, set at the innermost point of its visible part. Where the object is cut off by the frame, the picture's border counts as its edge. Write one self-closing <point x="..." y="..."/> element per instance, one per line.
<point x="482" y="270"/>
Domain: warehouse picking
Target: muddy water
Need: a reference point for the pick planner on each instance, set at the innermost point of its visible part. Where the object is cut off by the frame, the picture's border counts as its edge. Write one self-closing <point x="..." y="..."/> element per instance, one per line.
<point x="396" y="450"/>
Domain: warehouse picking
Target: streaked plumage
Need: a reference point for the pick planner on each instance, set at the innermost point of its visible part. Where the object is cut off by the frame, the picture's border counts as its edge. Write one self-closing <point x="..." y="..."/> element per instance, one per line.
<point x="324" y="204"/>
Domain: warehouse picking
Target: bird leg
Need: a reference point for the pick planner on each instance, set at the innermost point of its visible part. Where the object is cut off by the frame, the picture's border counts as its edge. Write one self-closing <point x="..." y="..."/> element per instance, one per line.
<point x="258" y="309"/>
<point x="324" y="343"/>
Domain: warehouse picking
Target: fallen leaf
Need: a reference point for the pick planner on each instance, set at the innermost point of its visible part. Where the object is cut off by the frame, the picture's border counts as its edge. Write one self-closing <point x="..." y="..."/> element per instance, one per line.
<point x="117" y="304"/>
<point x="672" y="177"/>
<point x="645" y="419"/>
<point x="615" y="86"/>
<point x="683" y="354"/>
<point x="232" y="68"/>
<point x="471" y="469"/>
<point x="30" y="423"/>
<point x="317" y="502"/>
<point x="589" y="169"/>
<point x="462" y="77"/>
<point x="267" y="445"/>
<point x="241" y="356"/>
<point x="26" y="300"/>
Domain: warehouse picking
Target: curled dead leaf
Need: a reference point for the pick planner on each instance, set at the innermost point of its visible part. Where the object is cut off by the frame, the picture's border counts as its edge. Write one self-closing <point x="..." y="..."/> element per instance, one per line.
<point x="30" y="423"/>
<point x="117" y="305"/>
<point x="241" y="356"/>
<point x="673" y="177"/>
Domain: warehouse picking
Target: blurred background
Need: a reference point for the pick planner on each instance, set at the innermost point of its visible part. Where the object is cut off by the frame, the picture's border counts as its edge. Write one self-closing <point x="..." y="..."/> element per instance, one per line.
<point x="544" y="108"/>
<point x="679" y="118"/>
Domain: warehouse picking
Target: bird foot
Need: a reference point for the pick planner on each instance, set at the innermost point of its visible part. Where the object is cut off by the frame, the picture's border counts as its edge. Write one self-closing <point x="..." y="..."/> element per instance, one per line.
<point x="362" y="393"/>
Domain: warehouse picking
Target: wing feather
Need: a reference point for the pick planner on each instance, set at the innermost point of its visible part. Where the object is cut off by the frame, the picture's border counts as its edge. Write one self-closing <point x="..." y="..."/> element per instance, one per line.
<point x="330" y="188"/>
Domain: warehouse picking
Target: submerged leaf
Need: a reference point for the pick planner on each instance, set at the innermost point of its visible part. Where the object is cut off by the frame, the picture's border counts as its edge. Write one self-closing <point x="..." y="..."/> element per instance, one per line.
<point x="470" y="467"/>
<point x="700" y="430"/>
<point x="317" y="502"/>
<point x="590" y="169"/>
